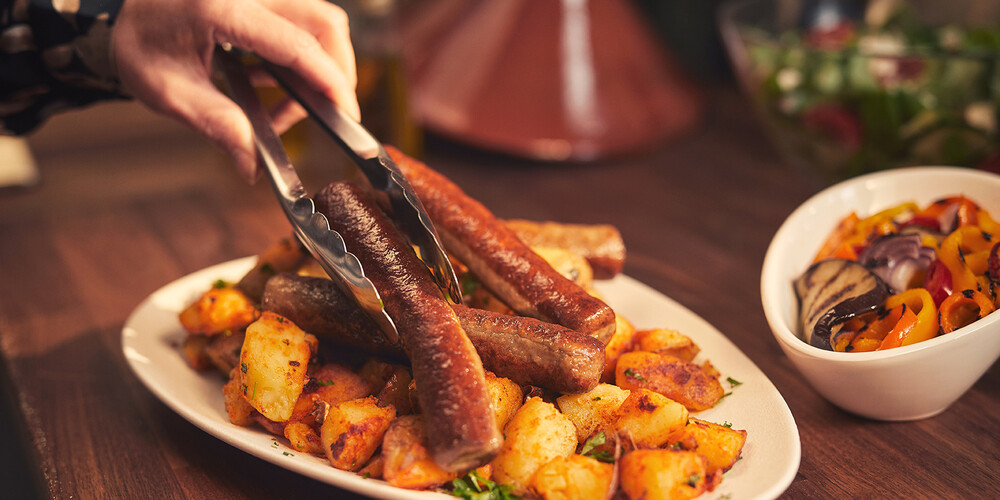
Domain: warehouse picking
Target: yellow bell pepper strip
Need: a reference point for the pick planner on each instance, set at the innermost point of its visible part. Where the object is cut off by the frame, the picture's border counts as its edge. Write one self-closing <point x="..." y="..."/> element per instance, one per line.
<point x="849" y="330"/>
<point x="963" y="308"/>
<point x="993" y="273"/>
<point x="919" y="322"/>
<point x="871" y="336"/>
<point x="953" y="251"/>
<point x="986" y="223"/>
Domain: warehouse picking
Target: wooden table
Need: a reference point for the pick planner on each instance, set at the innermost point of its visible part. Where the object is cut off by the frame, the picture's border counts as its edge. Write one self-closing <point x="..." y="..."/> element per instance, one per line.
<point x="129" y="202"/>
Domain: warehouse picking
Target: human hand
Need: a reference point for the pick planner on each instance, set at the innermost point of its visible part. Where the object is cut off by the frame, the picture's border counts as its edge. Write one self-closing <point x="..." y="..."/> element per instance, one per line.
<point x="163" y="52"/>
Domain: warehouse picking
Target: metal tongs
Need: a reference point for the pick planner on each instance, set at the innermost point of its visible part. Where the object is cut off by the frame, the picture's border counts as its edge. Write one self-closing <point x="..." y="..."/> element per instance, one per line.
<point x="312" y="227"/>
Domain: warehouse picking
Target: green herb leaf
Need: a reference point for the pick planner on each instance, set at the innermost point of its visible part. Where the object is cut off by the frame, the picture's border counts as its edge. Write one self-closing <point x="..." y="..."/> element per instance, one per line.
<point x="475" y="487"/>
<point x="632" y="373"/>
<point x="219" y="284"/>
<point x="693" y="479"/>
<point x="733" y="382"/>
<point x="594" y="441"/>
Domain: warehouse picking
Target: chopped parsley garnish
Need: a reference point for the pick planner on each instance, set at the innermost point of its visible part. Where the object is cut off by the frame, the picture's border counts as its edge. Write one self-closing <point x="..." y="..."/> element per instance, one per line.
<point x="285" y="453"/>
<point x="469" y="284"/>
<point x="475" y="487"/>
<point x="595" y="441"/>
<point x="595" y="398"/>
<point x="733" y="382"/>
<point x="243" y="367"/>
<point x="728" y="425"/>
<point x="219" y="284"/>
<point x="632" y="373"/>
<point x="324" y="383"/>
<point x="693" y="480"/>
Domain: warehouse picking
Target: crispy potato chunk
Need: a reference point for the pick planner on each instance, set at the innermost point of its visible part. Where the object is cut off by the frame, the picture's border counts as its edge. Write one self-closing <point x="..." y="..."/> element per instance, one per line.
<point x="600" y="244"/>
<point x="353" y="430"/>
<point x="273" y="363"/>
<point x="679" y="380"/>
<point x="239" y="410"/>
<point x="720" y="444"/>
<point x="303" y="438"/>
<point x="567" y="263"/>
<point x="536" y="434"/>
<point x="592" y="409"/>
<point x="194" y="352"/>
<point x="506" y="397"/>
<point x="650" y="418"/>
<point x="665" y="474"/>
<point x="218" y="310"/>
<point x="406" y="461"/>
<point x="573" y="478"/>
<point x="335" y="383"/>
<point x="666" y="341"/>
<point x="620" y="343"/>
<point x="285" y="255"/>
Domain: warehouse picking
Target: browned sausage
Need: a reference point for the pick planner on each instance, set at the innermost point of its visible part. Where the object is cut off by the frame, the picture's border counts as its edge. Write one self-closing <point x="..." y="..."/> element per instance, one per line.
<point x="501" y="261"/>
<point x="525" y="350"/>
<point x="533" y="352"/>
<point x="319" y="307"/>
<point x="451" y="385"/>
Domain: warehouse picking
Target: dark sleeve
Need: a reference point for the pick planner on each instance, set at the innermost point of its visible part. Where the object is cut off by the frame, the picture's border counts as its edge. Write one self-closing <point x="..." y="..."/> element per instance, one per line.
<point x="54" y="55"/>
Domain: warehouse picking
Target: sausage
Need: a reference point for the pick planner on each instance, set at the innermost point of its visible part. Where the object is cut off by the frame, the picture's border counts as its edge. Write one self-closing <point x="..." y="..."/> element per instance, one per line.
<point x="319" y="307"/>
<point x="532" y="352"/>
<point x="525" y="350"/>
<point x="501" y="261"/>
<point x="451" y="384"/>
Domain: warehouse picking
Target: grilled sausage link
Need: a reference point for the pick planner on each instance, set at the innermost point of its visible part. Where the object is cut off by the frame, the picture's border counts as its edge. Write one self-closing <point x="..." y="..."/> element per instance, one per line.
<point x="501" y="261"/>
<point x="533" y="352"/>
<point x="525" y="350"/>
<point x="451" y="384"/>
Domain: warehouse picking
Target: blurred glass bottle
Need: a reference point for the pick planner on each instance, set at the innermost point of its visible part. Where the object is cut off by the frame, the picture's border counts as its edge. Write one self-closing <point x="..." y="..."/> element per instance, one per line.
<point x="383" y="92"/>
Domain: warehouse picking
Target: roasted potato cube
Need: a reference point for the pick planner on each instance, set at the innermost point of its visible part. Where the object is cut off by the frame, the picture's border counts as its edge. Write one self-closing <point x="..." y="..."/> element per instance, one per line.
<point x="592" y="409"/>
<point x="506" y="397"/>
<point x="666" y="341"/>
<point x="649" y="419"/>
<point x="600" y="244"/>
<point x="620" y="343"/>
<point x="285" y="256"/>
<point x="679" y="380"/>
<point x="194" y="352"/>
<point x="720" y="444"/>
<point x="573" y="478"/>
<point x="217" y="310"/>
<point x="273" y="363"/>
<point x="239" y="410"/>
<point x="567" y="263"/>
<point x="373" y="469"/>
<point x="335" y="383"/>
<point x="406" y="461"/>
<point x="665" y="474"/>
<point x="536" y="434"/>
<point x="353" y="430"/>
<point x="303" y="438"/>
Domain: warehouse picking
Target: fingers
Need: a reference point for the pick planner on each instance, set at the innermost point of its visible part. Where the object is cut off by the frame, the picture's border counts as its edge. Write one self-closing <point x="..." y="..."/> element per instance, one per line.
<point x="329" y="24"/>
<point x="285" y="43"/>
<point x="199" y="104"/>
<point x="285" y="114"/>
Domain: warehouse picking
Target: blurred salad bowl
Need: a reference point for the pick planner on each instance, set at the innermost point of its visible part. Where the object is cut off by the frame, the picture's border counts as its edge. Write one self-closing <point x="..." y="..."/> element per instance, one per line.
<point x="904" y="382"/>
<point x="848" y="87"/>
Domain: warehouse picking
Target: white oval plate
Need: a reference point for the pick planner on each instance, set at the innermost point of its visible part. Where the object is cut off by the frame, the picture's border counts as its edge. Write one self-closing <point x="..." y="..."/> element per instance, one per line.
<point x="152" y="336"/>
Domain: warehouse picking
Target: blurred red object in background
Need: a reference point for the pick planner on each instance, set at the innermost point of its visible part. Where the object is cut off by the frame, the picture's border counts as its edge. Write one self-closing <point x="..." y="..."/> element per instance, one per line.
<point x="545" y="79"/>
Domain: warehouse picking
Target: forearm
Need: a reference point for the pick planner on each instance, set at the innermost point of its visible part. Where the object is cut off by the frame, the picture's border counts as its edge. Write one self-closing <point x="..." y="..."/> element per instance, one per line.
<point x="53" y="58"/>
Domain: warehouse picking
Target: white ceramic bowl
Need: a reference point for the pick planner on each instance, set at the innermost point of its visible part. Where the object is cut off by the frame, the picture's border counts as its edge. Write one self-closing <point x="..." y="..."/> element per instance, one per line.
<point x="905" y="383"/>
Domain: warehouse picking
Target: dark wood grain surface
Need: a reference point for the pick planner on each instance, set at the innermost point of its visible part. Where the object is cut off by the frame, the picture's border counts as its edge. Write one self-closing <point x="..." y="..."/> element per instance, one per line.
<point x="129" y="202"/>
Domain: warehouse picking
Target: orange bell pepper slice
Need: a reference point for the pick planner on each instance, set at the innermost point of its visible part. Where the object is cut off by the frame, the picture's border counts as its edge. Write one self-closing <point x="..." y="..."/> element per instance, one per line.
<point x="843" y="231"/>
<point x="966" y="215"/>
<point x="919" y="321"/>
<point x="963" y="308"/>
<point x="871" y="335"/>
